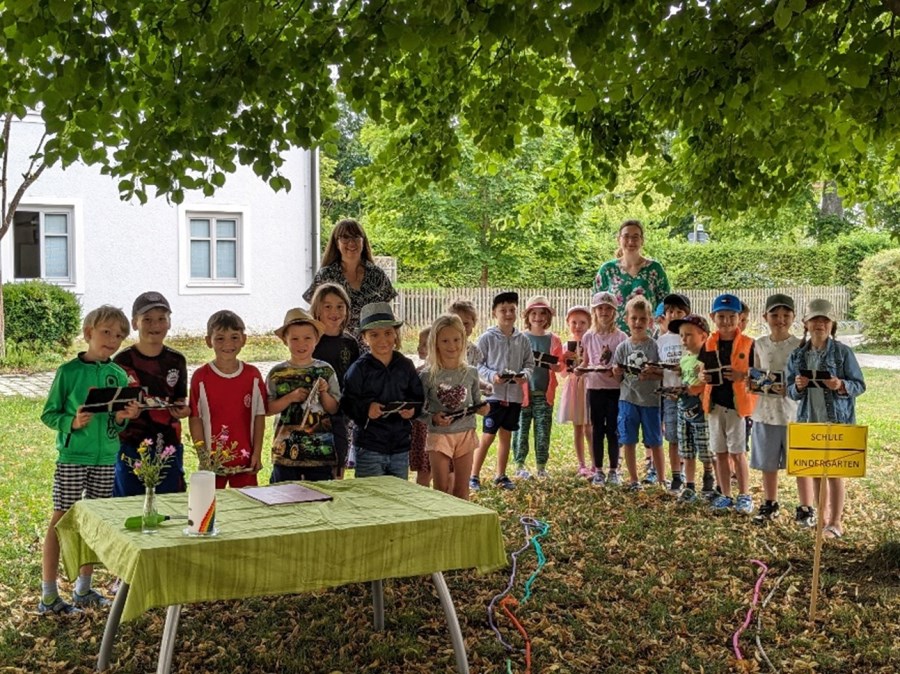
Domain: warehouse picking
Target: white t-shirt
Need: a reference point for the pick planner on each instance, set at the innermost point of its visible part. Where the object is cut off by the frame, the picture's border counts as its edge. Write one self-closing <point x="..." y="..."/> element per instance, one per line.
<point x="669" y="347"/>
<point x="773" y="357"/>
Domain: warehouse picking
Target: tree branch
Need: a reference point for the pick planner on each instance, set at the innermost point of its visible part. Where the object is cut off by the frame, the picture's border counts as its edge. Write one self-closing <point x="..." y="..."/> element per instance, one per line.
<point x="28" y="177"/>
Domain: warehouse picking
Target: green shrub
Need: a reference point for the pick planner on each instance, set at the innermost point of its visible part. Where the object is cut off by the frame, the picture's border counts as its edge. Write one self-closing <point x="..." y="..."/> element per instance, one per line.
<point x="41" y="314"/>
<point x="878" y="303"/>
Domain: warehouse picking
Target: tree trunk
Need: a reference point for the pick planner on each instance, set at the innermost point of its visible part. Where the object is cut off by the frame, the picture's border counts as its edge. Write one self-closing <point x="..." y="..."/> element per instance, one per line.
<point x="2" y="320"/>
<point x="832" y="204"/>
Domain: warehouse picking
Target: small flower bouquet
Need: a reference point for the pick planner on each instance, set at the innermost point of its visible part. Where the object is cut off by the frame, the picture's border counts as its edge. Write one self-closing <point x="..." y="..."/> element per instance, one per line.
<point x="217" y="457"/>
<point x="150" y="467"/>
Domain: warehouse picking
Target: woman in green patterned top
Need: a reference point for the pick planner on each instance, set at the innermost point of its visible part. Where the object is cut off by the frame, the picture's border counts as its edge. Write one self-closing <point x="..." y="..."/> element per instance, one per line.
<point x="631" y="273"/>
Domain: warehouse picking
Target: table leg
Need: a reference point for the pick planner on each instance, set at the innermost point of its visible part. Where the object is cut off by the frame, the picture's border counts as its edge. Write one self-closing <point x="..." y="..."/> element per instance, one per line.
<point x="112" y="628"/>
<point x="378" y="604"/>
<point x="167" y="647"/>
<point x="456" y="637"/>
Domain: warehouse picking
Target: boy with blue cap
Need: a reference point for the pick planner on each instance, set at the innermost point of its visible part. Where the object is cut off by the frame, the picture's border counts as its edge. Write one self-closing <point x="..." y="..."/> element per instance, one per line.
<point x="727" y="357"/>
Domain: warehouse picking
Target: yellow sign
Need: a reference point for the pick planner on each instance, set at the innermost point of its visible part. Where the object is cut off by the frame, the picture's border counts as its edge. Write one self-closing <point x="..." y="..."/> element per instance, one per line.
<point x="826" y="450"/>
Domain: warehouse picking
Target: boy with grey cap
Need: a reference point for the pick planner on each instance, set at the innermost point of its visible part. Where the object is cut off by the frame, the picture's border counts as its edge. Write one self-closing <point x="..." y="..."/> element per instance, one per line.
<point x="163" y="372"/>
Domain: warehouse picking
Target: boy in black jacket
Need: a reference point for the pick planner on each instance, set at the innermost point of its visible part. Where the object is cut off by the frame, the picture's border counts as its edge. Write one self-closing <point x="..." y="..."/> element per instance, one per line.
<point x="382" y="394"/>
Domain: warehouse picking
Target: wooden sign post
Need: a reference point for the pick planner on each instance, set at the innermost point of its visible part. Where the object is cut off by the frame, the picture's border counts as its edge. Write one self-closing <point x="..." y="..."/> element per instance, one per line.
<point x="823" y="451"/>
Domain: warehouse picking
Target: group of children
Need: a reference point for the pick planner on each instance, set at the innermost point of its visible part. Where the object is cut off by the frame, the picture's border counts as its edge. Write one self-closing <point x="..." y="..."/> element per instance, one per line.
<point x="689" y="388"/>
<point x="398" y="415"/>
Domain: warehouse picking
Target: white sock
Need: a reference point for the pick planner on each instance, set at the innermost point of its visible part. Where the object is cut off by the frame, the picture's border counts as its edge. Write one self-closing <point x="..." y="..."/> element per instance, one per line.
<point x="83" y="584"/>
<point x="49" y="591"/>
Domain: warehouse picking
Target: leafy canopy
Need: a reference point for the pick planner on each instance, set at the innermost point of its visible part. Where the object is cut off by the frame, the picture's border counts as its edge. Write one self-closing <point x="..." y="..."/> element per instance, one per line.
<point x="727" y="100"/>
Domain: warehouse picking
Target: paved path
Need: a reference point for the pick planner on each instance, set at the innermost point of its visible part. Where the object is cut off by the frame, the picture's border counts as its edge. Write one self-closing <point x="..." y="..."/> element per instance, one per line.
<point x="37" y="385"/>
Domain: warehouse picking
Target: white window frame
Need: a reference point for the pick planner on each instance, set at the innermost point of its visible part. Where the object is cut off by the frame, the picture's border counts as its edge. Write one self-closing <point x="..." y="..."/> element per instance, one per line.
<point x="72" y="208"/>
<point x="213" y="286"/>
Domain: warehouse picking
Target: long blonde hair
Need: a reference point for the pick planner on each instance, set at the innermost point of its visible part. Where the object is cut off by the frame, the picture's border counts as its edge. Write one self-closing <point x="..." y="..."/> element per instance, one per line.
<point x="434" y="359"/>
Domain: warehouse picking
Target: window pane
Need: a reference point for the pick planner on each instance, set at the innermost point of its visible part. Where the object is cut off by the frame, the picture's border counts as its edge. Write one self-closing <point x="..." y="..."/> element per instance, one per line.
<point x="226" y="260"/>
<point x="226" y="229"/>
<point x="56" y="223"/>
<point x="56" y="257"/>
<point x="199" y="229"/>
<point x="200" y="264"/>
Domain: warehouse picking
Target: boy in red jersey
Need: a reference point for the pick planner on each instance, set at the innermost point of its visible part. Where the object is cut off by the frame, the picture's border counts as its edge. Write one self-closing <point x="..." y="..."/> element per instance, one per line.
<point x="228" y="393"/>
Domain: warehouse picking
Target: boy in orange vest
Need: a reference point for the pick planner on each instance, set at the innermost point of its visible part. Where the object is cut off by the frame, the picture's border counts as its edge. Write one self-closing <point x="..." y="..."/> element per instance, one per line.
<point x="727" y="357"/>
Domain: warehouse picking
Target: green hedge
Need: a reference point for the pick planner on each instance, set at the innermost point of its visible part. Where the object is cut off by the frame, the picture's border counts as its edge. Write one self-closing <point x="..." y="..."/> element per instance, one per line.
<point x="878" y="302"/>
<point x="41" y="315"/>
<point x="688" y="266"/>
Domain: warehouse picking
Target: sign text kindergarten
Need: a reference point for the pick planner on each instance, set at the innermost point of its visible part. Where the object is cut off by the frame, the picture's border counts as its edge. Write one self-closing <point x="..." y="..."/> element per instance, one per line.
<point x="833" y="450"/>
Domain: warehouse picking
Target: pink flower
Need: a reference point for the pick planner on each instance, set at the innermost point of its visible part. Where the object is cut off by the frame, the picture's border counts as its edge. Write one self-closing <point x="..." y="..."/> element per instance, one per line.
<point x="167" y="452"/>
<point x="148" y="442"/>
<point x="137" y="466"/>
<point x="244" y="453"/>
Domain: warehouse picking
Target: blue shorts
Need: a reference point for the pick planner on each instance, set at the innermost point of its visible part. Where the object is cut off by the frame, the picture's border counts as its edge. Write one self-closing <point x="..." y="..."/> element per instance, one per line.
<point x="634" y="417"/>
<point x="376" y="464"/>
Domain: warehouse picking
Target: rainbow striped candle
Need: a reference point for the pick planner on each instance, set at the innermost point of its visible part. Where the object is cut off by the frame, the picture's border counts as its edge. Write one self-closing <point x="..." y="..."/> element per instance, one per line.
<point x="202" y="502"/>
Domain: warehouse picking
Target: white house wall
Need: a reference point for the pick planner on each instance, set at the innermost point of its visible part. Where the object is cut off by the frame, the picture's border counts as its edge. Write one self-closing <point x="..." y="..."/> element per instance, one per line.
<point x="121" y="249"/>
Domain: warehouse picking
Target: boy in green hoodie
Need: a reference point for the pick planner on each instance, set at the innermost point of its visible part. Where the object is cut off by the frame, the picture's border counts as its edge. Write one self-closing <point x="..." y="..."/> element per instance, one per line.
<point x="87" y="442"/>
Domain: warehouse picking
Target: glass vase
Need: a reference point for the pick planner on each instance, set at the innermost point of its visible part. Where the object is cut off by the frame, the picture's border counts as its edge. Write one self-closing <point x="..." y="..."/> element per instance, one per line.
<point x="149" y="518"/>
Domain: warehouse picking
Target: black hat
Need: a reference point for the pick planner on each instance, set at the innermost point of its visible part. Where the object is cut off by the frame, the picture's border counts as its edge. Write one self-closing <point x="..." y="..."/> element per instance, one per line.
<point x="147" y="301"/>
<point x="677" y="300"/>
<point x="508" y="297"/>
<point x="779" y="300"/>
<point x="693" y="319"/>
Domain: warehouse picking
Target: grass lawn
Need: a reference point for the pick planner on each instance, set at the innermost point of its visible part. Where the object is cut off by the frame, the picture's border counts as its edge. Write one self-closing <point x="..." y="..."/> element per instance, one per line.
<point x="633" y="583"/>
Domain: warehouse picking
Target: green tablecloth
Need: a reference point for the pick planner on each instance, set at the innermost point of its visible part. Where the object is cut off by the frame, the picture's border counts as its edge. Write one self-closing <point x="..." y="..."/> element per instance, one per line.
<point x="374" y="528"/>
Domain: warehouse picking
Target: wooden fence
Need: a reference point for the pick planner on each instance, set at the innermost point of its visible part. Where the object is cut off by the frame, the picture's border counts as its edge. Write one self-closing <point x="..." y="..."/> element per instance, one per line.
<point x="419" y="307"/>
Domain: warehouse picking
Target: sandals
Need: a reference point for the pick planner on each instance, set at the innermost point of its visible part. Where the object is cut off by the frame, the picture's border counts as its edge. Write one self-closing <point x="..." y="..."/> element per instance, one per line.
<point x="831" y="531"/>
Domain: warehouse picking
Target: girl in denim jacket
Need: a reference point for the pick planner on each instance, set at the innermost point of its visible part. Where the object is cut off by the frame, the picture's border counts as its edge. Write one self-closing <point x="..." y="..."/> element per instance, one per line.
<point x="832" y="400"/>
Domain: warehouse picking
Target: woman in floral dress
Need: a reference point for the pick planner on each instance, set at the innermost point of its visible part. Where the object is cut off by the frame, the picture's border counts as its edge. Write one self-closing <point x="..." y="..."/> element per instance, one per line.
<point x="631" y="273"/>
<point x="348" y="262"/>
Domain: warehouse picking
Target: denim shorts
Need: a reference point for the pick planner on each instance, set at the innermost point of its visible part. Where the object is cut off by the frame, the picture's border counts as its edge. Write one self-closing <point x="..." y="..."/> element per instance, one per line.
<point x="769" y="447"/>
<point x="633" y="417"/>
<point x="670" y="420"/>
<point x="374" y="464"/>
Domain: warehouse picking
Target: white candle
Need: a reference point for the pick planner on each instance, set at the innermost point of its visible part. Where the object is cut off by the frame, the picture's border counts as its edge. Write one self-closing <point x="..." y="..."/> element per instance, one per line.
<point x="202" y="502"/>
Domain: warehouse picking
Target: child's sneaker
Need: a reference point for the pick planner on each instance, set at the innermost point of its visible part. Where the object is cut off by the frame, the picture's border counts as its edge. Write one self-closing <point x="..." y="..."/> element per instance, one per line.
<point x="599" y="479"/>
<point x="805" y="517"/>
<point x="59" y="606"/>
<point x="523" y="474"/>
<point x="634" y="486"/>
<point x="688" y="496"/>
<point x="650" y="477"/>
<point x="722" y="504"/>
<point x="504" y="482"/>
<point x="709" y="483"/>
<point x="677" y="483"/>
<point x="542" y="474"/>
<point x="586" y="472"/>
<point x="474" y="484"/>
<point x="743" y="504"/>
<point x="766" y="513"/>
<point x="90" y="599"/>
<point x="614" y="478"/>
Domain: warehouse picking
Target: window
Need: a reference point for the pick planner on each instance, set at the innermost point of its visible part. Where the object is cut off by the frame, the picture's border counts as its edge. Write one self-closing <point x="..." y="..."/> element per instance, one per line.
<point x="215" y="248"/>
<point x="42" y="244"/>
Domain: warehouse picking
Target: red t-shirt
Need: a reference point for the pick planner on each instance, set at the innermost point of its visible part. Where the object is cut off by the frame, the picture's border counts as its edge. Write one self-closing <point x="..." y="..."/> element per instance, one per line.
<point x="232" y="400"/>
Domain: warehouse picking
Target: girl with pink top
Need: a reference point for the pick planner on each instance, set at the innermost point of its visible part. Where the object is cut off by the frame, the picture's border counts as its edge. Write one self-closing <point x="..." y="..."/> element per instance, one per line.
<point x="573" y="407"/>
<point x="598" y="346"/>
